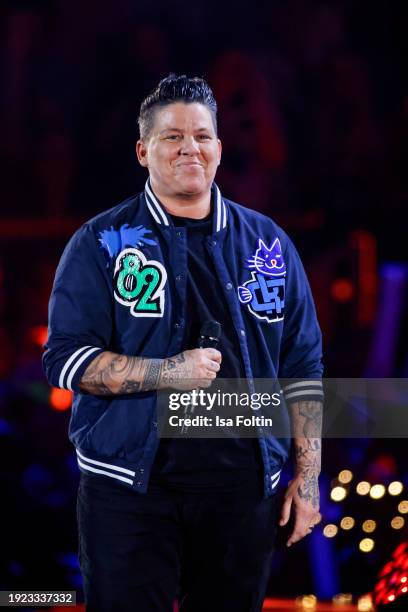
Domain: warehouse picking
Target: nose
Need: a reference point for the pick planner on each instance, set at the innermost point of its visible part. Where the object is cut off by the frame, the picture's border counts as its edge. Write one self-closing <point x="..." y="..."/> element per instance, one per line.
<point x="189" y="146"/>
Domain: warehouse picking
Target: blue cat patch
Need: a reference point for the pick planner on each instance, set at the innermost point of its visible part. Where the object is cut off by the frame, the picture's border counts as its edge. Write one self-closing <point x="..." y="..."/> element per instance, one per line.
<point x="264" y="293"/>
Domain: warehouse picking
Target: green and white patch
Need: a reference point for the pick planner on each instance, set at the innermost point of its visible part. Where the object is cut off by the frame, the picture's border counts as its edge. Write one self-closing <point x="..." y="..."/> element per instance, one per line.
<point x="139" y="283"/>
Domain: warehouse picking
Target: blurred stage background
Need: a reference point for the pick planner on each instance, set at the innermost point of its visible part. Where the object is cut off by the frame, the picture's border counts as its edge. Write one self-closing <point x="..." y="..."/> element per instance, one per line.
<point x="313" y="116"/>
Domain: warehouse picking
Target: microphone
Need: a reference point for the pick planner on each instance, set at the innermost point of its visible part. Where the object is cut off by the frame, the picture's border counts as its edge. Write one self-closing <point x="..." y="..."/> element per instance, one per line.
<point x="210" y="333"/>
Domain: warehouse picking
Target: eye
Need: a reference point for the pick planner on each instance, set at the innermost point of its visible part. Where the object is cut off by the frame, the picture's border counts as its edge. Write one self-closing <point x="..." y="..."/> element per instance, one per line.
<point x="172" y="137"/>
<point x="204" y="137"/>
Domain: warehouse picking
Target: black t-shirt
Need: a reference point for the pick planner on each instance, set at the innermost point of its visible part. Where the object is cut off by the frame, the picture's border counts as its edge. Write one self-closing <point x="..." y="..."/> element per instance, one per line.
<point x="208" y="465"/>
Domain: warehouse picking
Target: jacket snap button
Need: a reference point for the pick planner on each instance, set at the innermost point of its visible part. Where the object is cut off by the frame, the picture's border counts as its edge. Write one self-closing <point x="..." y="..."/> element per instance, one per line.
<point x="214" y="242"/>
<point x="228" y="286"/>
<point x="178" y="277"/>
<point x="242" y="332"/>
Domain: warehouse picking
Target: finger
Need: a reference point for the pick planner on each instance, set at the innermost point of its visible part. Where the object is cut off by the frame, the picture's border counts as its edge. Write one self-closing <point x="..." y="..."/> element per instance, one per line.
<point x="285" y="512"/>
<point x="301" y="529"/>
<point x="295" y="537"/>
<point x="213" y="354"/>
<point x="213" y="365"/>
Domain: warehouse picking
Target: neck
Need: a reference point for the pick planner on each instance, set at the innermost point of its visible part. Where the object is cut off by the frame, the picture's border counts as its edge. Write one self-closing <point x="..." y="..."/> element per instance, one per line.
<point x="191" y="206"/>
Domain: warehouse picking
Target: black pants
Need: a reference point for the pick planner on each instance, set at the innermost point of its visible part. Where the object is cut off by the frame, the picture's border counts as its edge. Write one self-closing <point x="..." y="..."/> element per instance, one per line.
<point x="139" y="553"/>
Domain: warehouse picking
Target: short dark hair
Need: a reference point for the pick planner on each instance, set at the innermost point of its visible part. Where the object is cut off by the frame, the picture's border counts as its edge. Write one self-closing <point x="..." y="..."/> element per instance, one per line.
<point x="175" y="88"/>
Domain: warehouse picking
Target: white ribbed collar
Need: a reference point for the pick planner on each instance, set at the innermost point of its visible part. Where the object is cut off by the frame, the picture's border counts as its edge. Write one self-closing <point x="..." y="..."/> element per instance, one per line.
<point x="161" y="217"/>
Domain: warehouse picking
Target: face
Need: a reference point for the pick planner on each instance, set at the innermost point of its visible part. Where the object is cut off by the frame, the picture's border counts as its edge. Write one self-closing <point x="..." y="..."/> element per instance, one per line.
<point x="182" y="151"/>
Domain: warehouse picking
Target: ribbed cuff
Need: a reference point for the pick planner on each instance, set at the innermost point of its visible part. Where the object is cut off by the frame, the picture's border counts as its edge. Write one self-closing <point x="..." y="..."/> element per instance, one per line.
<point x="76" y="365"/>
<point x="300" y="390"/>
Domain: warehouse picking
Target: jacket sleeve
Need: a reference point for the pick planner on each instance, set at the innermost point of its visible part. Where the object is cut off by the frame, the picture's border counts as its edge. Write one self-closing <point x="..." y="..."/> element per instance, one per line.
<point x="300" y="367"/>
<point x="79" y="316"/>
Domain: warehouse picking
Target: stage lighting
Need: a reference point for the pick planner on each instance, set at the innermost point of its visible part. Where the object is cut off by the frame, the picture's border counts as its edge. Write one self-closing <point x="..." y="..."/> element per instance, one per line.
<point x="342" y="599"/>
<point x="366" y="545"/>
<point x="365" y="603"/>
<point x="363" y="487"/>
<point x="347" y="522"/>
<point x="338" y="494"/>
<point x="395" y="488"/>
<point x="306" y="602"/>
<point x="369" y="526"/>
<point x="397" y="522"/>
<point x="60" y="399"/>
<point x="377" y="491"/>
<point x="330" y="530"/>
<point x="345" y="476"/>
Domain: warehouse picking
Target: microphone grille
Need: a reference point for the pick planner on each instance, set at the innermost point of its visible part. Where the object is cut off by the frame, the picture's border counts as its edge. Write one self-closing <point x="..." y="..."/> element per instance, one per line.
<point x="211" y="329"/>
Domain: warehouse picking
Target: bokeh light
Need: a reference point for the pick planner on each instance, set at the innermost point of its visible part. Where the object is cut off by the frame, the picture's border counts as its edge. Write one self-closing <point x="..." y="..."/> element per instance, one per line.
<point x="369" y="526"/>
<point x="330" y="530"/>
<point x="365" y="603"/>
<point x="345" y="476"/>
<point x="306" y="602"/>
<point x="342" y="290"/>
<point x="366" y="545"/>
<point x="342" y="599"/>
<point x="338" y="494"/>
<point x="363" y="488"/>
<point x="395" y="488"/>
<point x="377" y="491"/>
<point x="347" y="522"/>
<point x="397" y="522"/>
<point x="60" y="399"/>
<point x="39" y="334"/>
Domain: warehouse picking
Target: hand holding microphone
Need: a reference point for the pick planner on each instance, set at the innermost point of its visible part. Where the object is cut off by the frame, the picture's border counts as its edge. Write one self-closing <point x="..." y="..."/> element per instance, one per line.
<point x="197" y="367"/>
<point x="207" y="341"/>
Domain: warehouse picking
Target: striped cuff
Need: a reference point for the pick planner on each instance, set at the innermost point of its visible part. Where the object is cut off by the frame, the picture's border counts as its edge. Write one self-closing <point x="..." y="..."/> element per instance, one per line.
<point x="76" y="365"/>
<point x="301" y="390"/>
<point x="107" y="469"/>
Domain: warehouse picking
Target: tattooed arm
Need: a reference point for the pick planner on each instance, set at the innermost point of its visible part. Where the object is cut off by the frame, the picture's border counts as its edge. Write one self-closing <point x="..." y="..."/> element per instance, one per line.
<point x="114" y="374"/>
<point x="303" y="490"/>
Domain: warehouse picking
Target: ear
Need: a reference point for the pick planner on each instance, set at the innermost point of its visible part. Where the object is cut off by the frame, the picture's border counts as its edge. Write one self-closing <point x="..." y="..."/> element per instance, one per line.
<point x="219" y="151"/>
<point x="262" y="245"/>
<point x="276" y="245"/>
<point x="141" y="152"/>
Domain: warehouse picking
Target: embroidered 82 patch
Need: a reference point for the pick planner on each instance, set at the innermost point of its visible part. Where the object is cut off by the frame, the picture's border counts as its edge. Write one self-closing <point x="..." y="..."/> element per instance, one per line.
<point x="139" y="283"/>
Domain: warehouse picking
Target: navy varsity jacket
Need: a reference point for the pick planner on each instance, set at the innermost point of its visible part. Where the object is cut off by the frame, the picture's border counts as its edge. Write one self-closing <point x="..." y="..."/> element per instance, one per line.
<point x="121" y="286"/>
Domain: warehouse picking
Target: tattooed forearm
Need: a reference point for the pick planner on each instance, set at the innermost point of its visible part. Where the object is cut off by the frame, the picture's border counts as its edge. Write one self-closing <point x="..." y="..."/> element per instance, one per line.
<point x="112" y="374"/>
<point x="175" y="369"/>
<point x="151" y="378"/>
<point x="306" y="420"/>
<point x="309" y="489"/>
<point x="307" y="457"/>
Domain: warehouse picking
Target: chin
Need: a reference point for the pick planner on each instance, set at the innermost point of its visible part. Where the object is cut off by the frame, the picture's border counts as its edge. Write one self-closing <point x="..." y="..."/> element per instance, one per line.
<point x="193" y="186"/>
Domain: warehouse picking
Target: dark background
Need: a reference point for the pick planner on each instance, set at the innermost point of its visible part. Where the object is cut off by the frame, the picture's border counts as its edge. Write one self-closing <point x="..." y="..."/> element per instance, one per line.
<point x="314" y="121"/>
